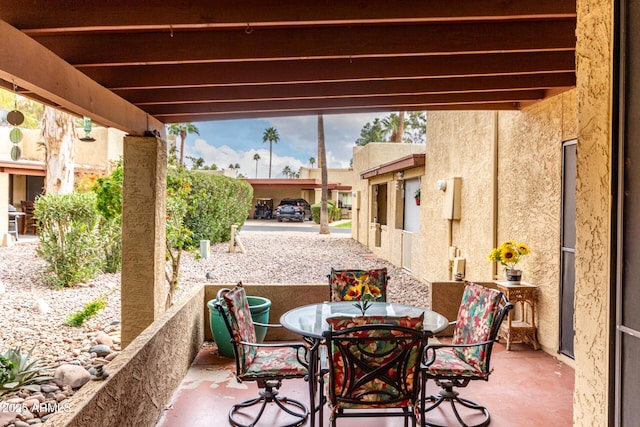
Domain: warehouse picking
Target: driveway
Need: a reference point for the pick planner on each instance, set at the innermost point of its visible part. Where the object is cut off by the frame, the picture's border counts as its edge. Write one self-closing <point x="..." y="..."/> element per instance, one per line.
<point x="284" y="226"/>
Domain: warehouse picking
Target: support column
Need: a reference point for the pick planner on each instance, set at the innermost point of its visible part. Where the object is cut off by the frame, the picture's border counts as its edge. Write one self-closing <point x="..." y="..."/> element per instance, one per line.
<point x="143" y="234"/>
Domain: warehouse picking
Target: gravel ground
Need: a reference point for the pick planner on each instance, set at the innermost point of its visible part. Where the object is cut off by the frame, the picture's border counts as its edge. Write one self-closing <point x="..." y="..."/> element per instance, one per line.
<point x="271" y="257"/>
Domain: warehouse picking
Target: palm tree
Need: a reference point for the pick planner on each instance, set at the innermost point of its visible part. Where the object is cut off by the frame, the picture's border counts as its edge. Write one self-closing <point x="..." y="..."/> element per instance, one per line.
<point x="312" y="161"/>
<point x="271" y="135"/>
<point x="400" y="128"/>
<point x="286" y="171"/>
<point x="256" y="157"/>
<point x="322" y="154"/>
<point x="394" y="126"/>
<point x="181" y="130"/>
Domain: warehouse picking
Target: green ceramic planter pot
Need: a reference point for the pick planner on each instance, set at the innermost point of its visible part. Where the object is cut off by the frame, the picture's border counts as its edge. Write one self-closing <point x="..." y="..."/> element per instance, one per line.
<point x="259" y="307"/>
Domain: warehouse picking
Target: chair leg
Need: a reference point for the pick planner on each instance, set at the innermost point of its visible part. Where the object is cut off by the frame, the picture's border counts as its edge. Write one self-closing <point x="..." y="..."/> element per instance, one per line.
<point x="447" y="394"/>
<point x="270" y="395"/>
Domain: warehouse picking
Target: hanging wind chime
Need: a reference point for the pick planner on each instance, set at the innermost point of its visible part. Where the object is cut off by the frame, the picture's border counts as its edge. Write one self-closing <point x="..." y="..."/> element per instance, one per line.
<point x="15" y="118"/>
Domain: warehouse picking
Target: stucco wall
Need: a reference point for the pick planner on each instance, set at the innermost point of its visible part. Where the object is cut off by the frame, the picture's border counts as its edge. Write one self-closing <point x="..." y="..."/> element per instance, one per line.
<point x="529" y="198"/>
<point x="592" y="314"/>
<point x="460" y="144"/>
<point x="518" y="157"/>
<point x="367" y="157"/>
<point x="106" y="148"/>
<point x="143" y="377"/>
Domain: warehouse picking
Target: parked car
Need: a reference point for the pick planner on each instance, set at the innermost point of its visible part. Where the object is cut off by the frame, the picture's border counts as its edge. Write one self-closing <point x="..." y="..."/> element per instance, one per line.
<point x="293" y="210"/>
<point x="263" y="209"/>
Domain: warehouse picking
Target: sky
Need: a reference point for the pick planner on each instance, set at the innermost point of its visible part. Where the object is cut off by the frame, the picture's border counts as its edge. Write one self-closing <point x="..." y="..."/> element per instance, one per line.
<point x="236" y="141"/>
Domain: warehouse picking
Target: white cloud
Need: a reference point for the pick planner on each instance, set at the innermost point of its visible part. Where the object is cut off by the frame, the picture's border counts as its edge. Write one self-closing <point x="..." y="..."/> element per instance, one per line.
<point x="225" y="155"/>
<point x="237" y="142"/>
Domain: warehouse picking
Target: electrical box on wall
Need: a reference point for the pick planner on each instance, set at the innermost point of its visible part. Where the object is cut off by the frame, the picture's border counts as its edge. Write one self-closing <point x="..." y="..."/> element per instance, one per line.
<point x="458" y="266"/>
<point x="451" y="206"/>
<point x="355" y="200"/>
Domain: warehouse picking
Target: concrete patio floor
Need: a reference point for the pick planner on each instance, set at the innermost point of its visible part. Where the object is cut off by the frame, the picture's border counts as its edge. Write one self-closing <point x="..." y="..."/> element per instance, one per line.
<point x="526" y="389"/>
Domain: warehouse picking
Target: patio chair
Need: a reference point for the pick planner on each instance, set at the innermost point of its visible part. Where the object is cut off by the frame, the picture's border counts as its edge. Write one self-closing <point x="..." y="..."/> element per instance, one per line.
<point x="468" y="357"/>
<point x="374" y="366"/>
<point x="341" y="281"/>
<point x="29" y="221"/>
<point x="267" y="364"/>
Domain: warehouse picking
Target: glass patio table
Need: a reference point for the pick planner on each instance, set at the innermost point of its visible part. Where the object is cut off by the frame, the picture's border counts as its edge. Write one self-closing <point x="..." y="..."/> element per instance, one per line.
<point x="310" y="321"/>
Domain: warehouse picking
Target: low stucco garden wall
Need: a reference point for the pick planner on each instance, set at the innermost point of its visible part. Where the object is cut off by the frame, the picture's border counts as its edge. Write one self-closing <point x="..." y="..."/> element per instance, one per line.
<point x="283" y="298"/>
<point x="144" y="376"/>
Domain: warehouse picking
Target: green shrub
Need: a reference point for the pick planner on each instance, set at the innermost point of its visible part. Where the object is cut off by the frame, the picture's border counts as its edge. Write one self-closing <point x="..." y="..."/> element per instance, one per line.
<point x="108" y="192"/>
<point x="90" y="309"/>
<point x="334" y="212"/>
<point x="20" y="373"/>
<point x="216" y="203"/>
<point x="69" y="236"/>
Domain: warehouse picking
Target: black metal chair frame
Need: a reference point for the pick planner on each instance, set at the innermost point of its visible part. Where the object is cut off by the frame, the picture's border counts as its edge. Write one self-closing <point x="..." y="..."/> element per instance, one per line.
<point x="269" y="383"/>
<point x="447" y="382"/>
<point x="404" y="340"/>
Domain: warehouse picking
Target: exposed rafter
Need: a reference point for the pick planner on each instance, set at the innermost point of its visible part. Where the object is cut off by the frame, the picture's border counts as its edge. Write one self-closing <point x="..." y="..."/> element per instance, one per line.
<point x="198" y="60"/>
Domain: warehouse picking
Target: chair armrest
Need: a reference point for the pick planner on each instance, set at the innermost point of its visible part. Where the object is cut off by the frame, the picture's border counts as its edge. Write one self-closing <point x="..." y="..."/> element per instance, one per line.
<point x="268" y="325"/>
<point x="427" y="359"/>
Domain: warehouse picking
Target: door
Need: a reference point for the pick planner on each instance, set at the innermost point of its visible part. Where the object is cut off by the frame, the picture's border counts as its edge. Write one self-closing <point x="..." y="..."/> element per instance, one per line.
<point x="410" y="220"/>
<point x="567" y="248"/>
<point x="627" y="268"/>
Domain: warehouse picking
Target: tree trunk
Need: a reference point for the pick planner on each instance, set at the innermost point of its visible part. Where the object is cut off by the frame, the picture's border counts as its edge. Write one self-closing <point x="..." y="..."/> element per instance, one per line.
<point x="400" y="130"/>
<point x="270" y="152"/>
<point x="59" y="136"/>
<point x="324" y="212"/>
<point x="183" y="135"/>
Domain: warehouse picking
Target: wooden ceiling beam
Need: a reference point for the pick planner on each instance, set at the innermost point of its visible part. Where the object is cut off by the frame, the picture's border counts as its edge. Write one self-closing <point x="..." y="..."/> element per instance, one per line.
<point x="31" y="66"/>
<point x="347" y="89"/>
<point x="257" y="114"/>
<point x="329" y="70"/>
<point x="172" y="47"/>
<point x="353" y="102"/>
<point x="92" y="15"/>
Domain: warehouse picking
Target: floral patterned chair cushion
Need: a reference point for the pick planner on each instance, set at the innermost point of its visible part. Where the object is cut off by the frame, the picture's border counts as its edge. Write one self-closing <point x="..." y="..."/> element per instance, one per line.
<point x="475" y="323"/>
<point x="374" y="380"/>
<point x="241" y="325"/>
<point x="277" y="362"/>
<point x="341" y="282"/>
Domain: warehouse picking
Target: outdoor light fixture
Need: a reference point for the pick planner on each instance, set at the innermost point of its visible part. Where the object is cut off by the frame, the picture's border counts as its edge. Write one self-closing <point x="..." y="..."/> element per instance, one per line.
<point x="441" y="184"/>
<point x="86" y="121"/>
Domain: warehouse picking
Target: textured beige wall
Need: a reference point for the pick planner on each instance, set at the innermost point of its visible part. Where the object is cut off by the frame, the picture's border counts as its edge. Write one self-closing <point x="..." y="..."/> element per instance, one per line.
<point x="460" y="144"/>
<point x="594" y="59"/>
<point x="144" y="376"/>
<point x="106" y="148"/>
<point x="367" y="157"/>
<point x="529" y="198"/>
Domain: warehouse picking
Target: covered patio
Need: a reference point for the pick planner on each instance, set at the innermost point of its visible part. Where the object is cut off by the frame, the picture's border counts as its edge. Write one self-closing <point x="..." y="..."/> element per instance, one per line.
<point x="137" y="67"/>
<point x="527" y="389"/>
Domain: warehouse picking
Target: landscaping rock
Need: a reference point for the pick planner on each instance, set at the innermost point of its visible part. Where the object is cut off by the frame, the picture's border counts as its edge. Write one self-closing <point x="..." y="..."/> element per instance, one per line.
<point x="100" y="350"/>
<point x="103" y="338"/>
<point x="41" y="306"/>
<point x="71" y="375"/>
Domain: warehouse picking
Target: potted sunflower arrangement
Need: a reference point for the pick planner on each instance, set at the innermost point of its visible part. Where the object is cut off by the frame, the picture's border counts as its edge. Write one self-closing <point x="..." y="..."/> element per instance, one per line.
<point x="509" y="254"/>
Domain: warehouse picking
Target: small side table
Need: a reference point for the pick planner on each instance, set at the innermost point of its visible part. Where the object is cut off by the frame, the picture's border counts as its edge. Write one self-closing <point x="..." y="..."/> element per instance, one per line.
<point x="520" y="324"/>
